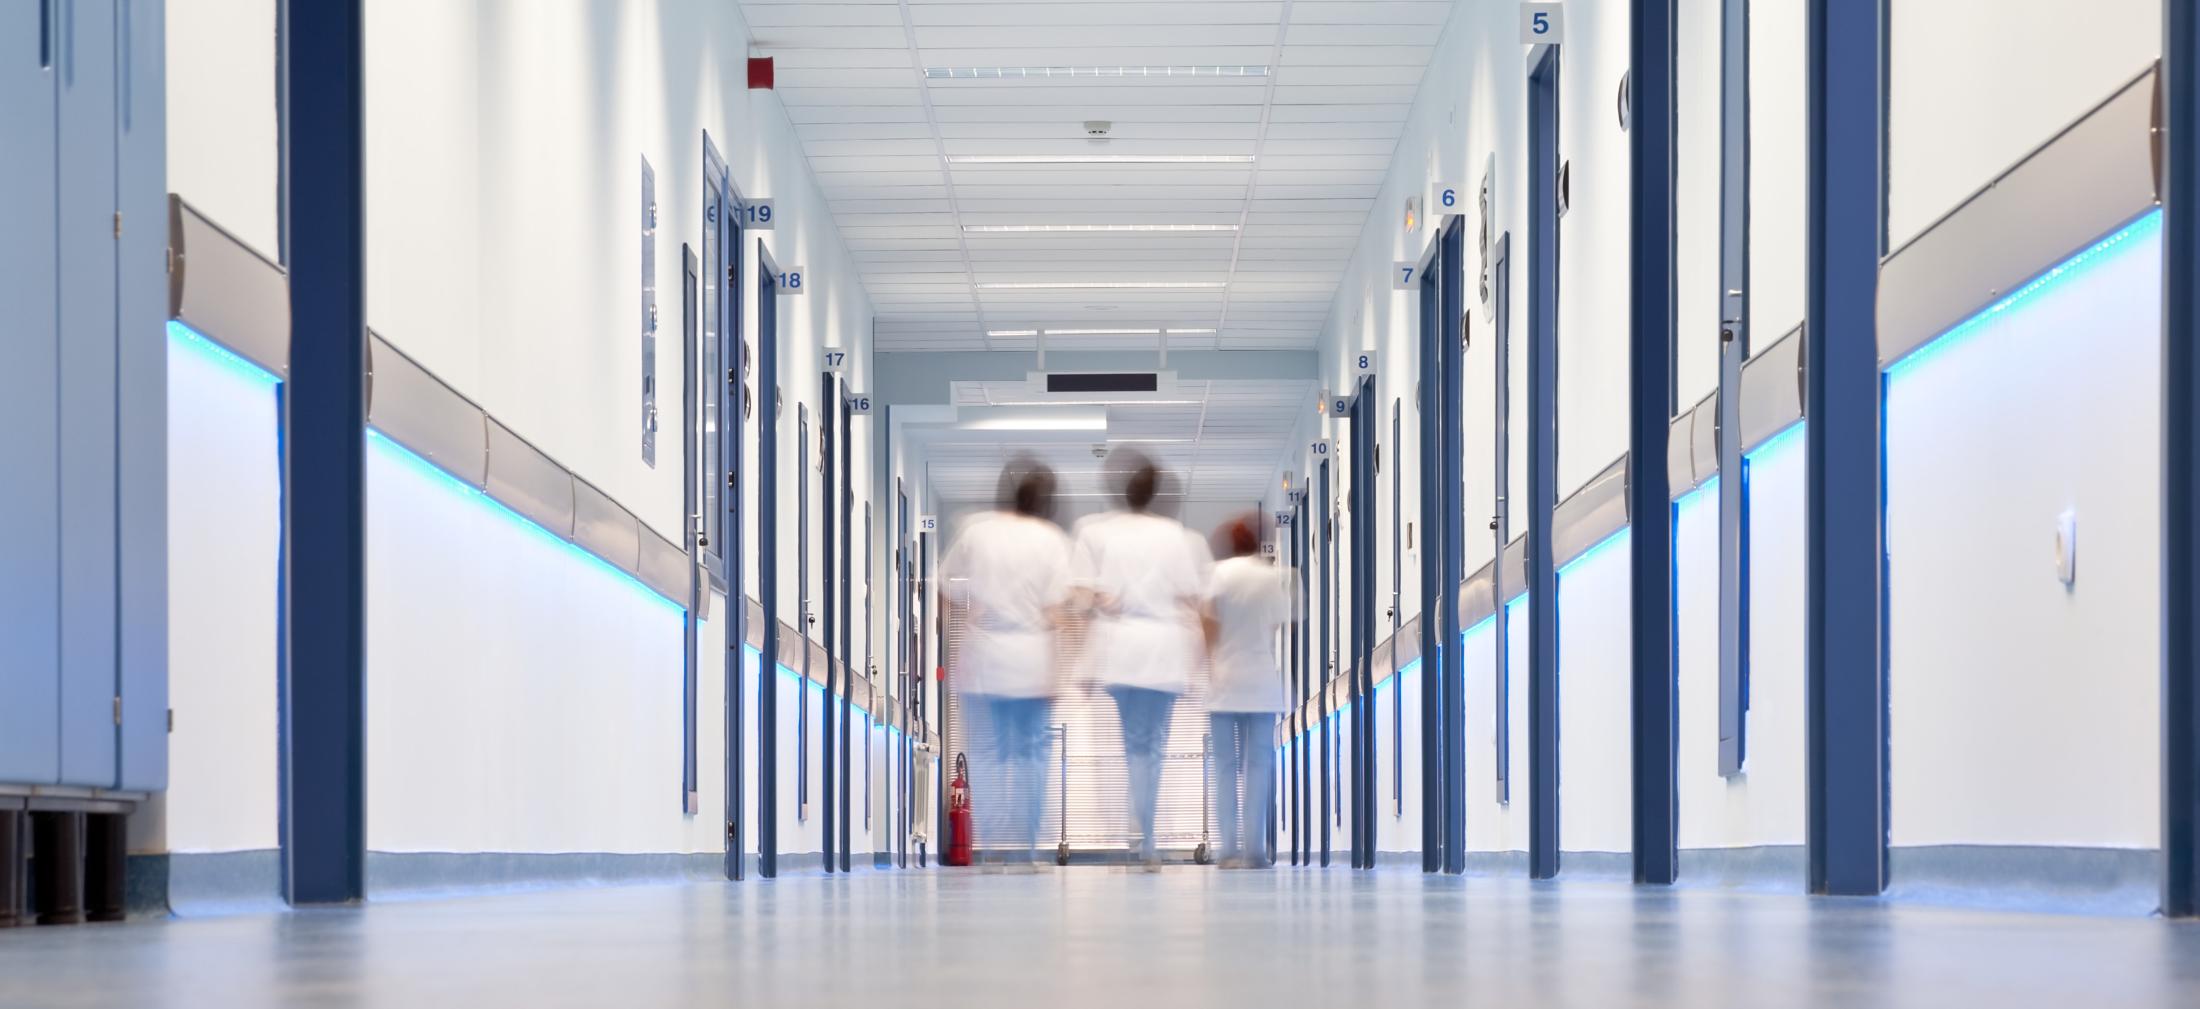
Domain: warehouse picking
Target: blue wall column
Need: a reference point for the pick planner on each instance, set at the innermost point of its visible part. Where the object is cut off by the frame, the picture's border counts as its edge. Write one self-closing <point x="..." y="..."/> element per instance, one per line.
<point x="1846" y="627"/>
<point x="2181" y="463"/>
<point x="1652" y="219"/>
<point x="323" y="659"/>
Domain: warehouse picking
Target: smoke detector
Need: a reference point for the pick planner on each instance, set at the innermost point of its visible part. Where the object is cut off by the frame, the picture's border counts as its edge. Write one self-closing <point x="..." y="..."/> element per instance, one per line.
<point x="1098" y="129"/>
<point x="1099" y="450"/>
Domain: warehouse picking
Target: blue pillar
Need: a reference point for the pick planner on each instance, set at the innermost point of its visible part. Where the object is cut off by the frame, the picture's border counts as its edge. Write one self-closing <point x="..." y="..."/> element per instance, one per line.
<point x="1652" y="219"/>
<point x="1846" y="630"/>
<point x="1451" y="295"/>
<point x="1543" y="237"/>
<point x="2181" y="463"/>
<point x="323" y="674"/>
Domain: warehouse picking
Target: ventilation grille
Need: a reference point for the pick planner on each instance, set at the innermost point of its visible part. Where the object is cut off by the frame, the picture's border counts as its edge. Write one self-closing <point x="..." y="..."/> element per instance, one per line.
<point x="1125" y="381"/>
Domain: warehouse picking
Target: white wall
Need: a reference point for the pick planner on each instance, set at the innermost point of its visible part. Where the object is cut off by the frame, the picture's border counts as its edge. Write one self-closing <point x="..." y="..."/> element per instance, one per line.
<point x="224" y="514"/>
<point x="1975" y="87"/>
<point x="522" y="697"/>
<point x="2024" y="712"/>
<point x="222" y="137"/>
<point x="1595" y="734"/>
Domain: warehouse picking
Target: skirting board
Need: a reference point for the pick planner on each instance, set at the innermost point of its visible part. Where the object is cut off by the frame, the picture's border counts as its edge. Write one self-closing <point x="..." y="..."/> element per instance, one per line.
<point x="232" y="882"/>
<point x="2054" y="880"/>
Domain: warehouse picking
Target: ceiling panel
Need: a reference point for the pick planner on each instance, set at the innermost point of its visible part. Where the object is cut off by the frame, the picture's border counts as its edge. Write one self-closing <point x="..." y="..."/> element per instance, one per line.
<point x="1319" y="118"/>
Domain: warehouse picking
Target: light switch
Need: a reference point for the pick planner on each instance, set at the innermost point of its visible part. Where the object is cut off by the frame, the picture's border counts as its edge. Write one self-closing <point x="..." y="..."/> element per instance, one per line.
<point x="2066" y="548"/>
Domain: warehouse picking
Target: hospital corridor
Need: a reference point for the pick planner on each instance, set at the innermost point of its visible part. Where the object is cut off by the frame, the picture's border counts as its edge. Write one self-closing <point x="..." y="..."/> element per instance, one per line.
<point x="1061" y="503"/>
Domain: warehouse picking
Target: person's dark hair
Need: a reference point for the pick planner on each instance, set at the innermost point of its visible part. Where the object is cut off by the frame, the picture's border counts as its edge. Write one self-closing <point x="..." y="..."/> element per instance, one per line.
<point x="1240" y="536"/>
<point x="1027" y="488"/>
<point x="1138" y="492"/>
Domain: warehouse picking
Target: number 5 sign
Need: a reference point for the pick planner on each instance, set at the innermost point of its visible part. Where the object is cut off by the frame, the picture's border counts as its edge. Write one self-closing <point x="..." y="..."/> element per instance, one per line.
<point x="1542" y="23"/>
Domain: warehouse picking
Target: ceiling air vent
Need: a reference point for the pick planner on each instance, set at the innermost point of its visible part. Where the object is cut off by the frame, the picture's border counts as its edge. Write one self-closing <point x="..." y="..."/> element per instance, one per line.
<point x="1110" y="381"/>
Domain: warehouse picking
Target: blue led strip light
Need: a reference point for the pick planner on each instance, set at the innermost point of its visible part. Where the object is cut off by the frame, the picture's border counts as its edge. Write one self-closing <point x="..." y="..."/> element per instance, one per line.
<point x="183" y="336"/>
<point x="398" y="452"/>
<point x="2067" y="271"/>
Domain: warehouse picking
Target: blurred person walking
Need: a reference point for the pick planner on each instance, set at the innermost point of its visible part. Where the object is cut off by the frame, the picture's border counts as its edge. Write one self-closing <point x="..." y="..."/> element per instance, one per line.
<point x="1144" y="577"/>
<point x="1008" y="574"/>
<point x="1249" y="598"/>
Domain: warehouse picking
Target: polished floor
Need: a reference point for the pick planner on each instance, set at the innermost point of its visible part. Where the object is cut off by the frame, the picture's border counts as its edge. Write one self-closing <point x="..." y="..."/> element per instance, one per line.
<point x="1101" y="937"/>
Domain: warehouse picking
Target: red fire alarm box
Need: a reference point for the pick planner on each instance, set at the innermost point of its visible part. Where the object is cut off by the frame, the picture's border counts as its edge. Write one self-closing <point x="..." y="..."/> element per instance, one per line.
<point x="760" y="72"/>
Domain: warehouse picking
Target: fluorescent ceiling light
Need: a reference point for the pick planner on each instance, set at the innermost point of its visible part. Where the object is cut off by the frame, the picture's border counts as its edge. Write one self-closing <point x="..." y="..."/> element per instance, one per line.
<point x="1103" y="332"/>
<point x="1108" y="285"/>
<point x="1018" y="229"/>
<point x="1151" y="441"/>
<point x="1046" y="73"/>
<point x="1099" y="159"/>
<point x="1094" y="402"/>
<point x="1012" y="332"/>
<point x="1188" y="332"/>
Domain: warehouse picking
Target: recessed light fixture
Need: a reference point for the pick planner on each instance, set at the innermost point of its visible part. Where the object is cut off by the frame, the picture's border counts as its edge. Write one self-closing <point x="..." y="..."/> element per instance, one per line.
<point x="1103" y="332"/>
<point x="1093" y="402"/>
<point x="1018" y="229"/>
<point x="1048" y="73"/>
<point x="1099" y="159"/>
<point x="1108" y="285"/>
<point x="1188" y="332"/>
<point x="1012" y="332"/>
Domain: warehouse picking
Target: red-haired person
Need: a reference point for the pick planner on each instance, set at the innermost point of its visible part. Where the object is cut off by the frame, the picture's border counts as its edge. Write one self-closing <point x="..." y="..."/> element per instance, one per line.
<point x="1249" y="599"/>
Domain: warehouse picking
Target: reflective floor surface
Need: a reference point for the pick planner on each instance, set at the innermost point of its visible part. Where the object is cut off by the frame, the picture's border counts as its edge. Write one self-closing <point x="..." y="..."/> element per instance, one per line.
<point x="1102" y="937"/>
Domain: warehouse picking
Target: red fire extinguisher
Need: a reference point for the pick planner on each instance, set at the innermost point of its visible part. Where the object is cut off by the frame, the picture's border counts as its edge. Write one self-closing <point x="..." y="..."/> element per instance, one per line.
<point x="958" y="814"/>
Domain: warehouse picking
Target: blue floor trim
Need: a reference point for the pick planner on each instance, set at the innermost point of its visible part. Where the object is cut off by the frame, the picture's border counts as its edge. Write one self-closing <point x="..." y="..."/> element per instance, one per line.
<point x="392" y="875"/>
<point x="2046" y="879"/>
<point x="1772" y="868"/>
<point x="225" y="882"/>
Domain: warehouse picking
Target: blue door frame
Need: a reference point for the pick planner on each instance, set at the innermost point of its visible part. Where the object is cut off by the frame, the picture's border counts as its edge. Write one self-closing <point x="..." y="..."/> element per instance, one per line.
<point x="847" y="621"/>
<point x="1543" y="237"/>
<point x="1325" y="663"/>
<point x="1845" y="653"/>
<point x="1654" y="704"/>
<point x="829" y="473"/>
<point x="1452" y="306"/>
<point x="767" y="563"/>
<point x="1428" y="401"/>
<point x="324" y="582"/>
<point x="2181" y="463"/>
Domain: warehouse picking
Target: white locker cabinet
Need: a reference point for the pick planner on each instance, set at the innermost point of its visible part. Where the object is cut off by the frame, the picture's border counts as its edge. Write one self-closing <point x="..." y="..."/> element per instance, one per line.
<point x="83" y="237"/>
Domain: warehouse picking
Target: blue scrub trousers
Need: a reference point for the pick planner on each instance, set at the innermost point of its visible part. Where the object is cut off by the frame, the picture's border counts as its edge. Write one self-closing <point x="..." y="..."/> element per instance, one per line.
<point x="1145" y="717"/>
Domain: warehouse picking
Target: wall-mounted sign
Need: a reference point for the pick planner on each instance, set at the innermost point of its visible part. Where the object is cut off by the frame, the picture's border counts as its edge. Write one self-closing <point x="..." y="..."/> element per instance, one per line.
<point x="835" y="359"/>
<point x="794" y="281"/>
<point x="1542" y="24"/>
<point x="759" y="215"/>
<point x="928" y="523"/>
<point x="859" y="402"/>
<point x="1403" y="275"/>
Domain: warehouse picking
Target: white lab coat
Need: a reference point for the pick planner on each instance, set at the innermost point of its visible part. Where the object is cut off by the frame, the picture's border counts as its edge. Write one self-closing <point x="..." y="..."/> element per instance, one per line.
<point x="1012" y="572"/>
<point x="1251" y="598"/>
<point x="1147" y="575"/>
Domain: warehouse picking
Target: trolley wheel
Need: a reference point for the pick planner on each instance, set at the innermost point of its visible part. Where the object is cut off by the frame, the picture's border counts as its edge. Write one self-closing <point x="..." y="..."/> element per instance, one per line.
<point x="1200" y="854"/>
<point x="1061" y="853"/>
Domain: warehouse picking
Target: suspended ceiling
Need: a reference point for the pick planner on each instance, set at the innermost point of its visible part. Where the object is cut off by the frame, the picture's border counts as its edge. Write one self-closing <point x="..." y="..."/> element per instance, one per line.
<point x="1220" y="440"/>
<point x="1318" y="123"/>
